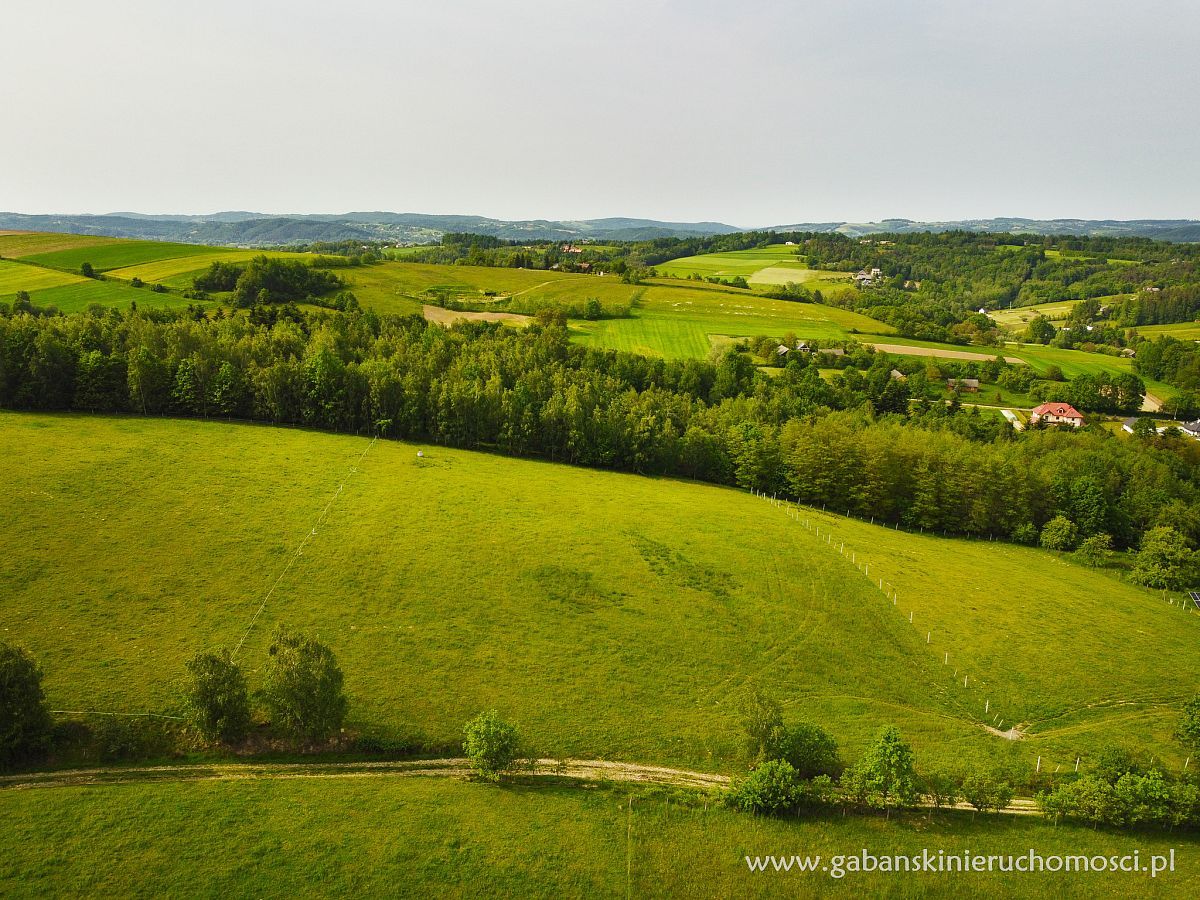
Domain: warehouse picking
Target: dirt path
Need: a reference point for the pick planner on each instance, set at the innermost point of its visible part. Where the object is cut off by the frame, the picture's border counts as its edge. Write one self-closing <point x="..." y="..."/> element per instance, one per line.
<point x="1150" y="403"/>
<point x="447" y="316"/>
<point x="578" y="769"/>
<point x="905" y="350"/>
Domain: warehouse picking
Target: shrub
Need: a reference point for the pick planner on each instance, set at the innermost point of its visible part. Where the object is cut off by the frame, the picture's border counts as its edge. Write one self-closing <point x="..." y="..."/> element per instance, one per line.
<point x="492" y="745"/>
<point x="24" y="720"/>
<point x="884" y="777"/>
<point x="217" y="698"/>
<point x="1059" y="533"/>
<point x="303" y="687"/>
<point x="1164" y="560"/>
<point x="986" y="793"/>
<point x="809" y="749"/>
<point x="1189" y="724"/>
<point x="1095" y="550"/>
<point x="772" y="788"/>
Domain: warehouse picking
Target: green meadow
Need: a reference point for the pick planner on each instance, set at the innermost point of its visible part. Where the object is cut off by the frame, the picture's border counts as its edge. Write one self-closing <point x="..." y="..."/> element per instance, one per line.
<point x="1018" y="317"/>
<point x="18" y="244"/>
<point x="612" y="616"/>
<point x="74" y="293"/>
<point x="1181" y="331"/>
<point x="772" y="265"/>
<point x="439" y="837"/>
<point x="115" y="255"/>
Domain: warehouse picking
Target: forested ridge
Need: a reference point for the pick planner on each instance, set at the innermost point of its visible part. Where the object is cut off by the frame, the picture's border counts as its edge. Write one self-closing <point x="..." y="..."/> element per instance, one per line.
<point x="852" y="443"/>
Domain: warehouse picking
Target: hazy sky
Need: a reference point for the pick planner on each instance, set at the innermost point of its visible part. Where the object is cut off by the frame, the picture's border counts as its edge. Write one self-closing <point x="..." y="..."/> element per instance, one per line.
<point x="751" y="112"/>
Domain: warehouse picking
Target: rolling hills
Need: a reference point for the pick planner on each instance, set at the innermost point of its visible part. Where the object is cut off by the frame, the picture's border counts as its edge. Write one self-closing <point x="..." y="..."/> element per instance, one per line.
<point x="570" y="599"/>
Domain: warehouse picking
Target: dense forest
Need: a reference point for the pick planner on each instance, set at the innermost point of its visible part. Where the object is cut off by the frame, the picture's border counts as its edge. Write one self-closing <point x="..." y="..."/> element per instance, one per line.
<point x="851" y="443"/>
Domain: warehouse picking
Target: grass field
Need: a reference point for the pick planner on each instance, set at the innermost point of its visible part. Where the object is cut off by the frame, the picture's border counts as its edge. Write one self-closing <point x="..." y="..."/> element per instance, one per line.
<point x="570" y="599"/>
<point x="772" y="265"/>
<point x="117" y="254"/>
<point x="179" y="271"/>
<point x="16" y="244"/>
<point x="73" y="293"/>
<point x="426" y="837"/>
<point x="1018" y="317"/>
<point x="1182" y="331"/>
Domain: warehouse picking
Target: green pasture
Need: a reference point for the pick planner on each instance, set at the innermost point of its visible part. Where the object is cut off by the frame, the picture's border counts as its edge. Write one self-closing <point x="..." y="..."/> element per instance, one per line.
<point x="116" y="254"/>
<point x="615" y="616"/>
<point x="179" y="271"/>
<point x="17" y="277"/>
<point x="775" y="264"/>
<point x="74" y="293"/>
<point x="1018" y="317"/>
<point x="680" y="322"/>
<point x="1182" y="331"/>
<point x="445" y="838"/>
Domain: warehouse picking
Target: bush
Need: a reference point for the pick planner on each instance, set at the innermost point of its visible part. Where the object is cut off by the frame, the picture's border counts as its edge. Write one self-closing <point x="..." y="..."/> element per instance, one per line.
<point x="884" y="777"/>
<point x="986" y="793"/>
<point x="217" y="698"/>
<point x="1095" y="550"/>
<point x="1189" y="724"/>
<point x="772" y="788"/>
<point x="118" y="738"/>
<point x="303" y="687"/>
<point x="1164" y="560"/>
<point x="1059" y="533"/>
<point x="24" y="719"/>
<point x="492" y="745"/>
<point x="809" y="749"/>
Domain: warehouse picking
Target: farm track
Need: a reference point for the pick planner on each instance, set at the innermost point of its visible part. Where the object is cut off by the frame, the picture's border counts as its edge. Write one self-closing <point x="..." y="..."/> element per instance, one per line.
<point x="585" y="770"/>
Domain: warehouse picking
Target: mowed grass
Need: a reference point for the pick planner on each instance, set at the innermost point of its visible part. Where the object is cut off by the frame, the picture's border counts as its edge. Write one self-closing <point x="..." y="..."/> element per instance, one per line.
<point x="16" y="244"/>
<point x="613" y="616"/>
<point x="179" y="271"/>
<point x="17" y="277"/>
<point x="772" y="265"/>
<point x="443" y="838"/>
<point x="1018" y="317"/>
<point x="116" y="254"/>
<point x="74" y="293"/>
<point x="1181" y="331"/>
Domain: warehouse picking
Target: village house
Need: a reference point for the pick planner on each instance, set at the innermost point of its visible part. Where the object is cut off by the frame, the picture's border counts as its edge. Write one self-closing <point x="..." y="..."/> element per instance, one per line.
<point x="898" y="375"/>
<point x="864" y="278"/>
<point x="967" y="385"/>
<point x="1191" y="429"/>
<point x="1057" y="414"/>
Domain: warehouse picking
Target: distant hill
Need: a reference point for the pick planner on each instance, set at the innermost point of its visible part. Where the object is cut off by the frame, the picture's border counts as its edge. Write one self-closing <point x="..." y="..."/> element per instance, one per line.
<point x="240" y="228"/>
<point x="1183" y="230"/>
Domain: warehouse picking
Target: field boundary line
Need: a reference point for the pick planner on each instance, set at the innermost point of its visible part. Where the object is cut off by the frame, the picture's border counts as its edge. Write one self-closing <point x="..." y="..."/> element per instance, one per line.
<point x="300" y="547"/>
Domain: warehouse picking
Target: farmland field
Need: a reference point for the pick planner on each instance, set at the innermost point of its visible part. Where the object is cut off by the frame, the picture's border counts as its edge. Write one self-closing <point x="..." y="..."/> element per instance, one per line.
<point x="322" y="837"/>
<point x="1017" y="317"/>
<point x="178" y="271"/>
<point x="17" y="244"/>
<point x="570" y="599"/>
<point x="73" y="293"/>
<point x="772" y="265"/>
<point x="116" y="254"/>
<point x="1182" y="331"/>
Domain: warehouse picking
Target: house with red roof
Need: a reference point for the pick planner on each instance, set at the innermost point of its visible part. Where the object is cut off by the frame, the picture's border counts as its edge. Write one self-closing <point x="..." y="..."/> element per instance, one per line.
<point x="1057" y="414"/>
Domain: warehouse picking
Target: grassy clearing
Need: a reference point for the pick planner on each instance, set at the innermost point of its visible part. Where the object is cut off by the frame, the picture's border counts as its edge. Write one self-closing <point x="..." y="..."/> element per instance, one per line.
<point x="613" y="616"/>
<point x="1016" y="318"/>
<point x="16" y="244"/>
<point x="448" y="838"/>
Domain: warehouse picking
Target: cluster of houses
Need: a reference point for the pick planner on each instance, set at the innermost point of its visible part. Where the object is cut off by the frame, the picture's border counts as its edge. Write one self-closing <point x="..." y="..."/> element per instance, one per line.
<point x="806" y="347"/>
<point x="864" y="278"/>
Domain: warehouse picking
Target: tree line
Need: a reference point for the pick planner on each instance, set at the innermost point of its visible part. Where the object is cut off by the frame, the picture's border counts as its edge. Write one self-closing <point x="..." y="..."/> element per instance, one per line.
<point x="852" y="444"/>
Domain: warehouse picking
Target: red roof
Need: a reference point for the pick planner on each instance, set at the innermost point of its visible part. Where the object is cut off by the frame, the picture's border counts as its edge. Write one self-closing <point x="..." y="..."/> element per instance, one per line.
<point x="1062" y="410"/>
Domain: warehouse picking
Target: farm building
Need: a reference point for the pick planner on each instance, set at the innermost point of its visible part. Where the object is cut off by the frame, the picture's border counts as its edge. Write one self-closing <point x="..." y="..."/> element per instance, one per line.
<point x="898" y="375"/>
<point x="969" y="385"/>
<point x="833" y="351"/>
<point x="1057" y="414"/>
<point x="1129" y="353"/>
<point x="1191" y="429"/>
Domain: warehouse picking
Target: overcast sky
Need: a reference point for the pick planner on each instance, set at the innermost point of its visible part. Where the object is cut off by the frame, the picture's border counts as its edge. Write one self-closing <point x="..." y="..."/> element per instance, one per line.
<point x="753" y="112"/>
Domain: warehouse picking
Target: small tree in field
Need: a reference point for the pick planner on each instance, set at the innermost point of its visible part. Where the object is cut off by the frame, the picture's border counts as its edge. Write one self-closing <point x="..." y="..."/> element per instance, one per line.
<point x="303" y="686"/>
<point x="985" y="792"/>
<point x="1095" y="550"/>
<point x="762" y="719"/>
<point x="885" y="776"/>
<point x="771" y="789"/>
<point x="218" y="700"/>
<point x="492" y="745"/>
<point x="1059" y="533"/>
<point x="1164" y="560"/>
<point x="1189" y="724"/>
<point x="24" y="720"/>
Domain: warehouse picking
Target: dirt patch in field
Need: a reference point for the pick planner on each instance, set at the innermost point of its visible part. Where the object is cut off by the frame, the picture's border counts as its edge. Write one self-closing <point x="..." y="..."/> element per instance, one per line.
<point x="903" y="349"/>
<point x="450" y="316"/>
